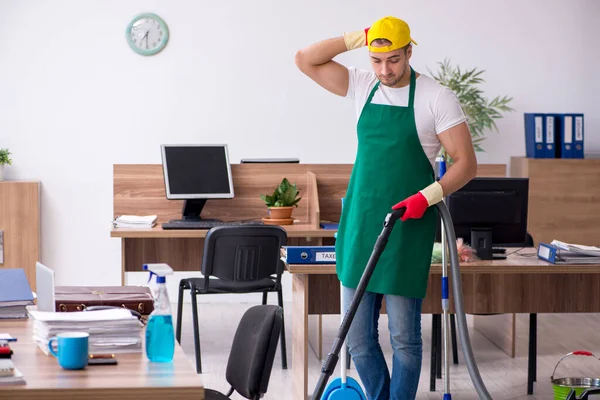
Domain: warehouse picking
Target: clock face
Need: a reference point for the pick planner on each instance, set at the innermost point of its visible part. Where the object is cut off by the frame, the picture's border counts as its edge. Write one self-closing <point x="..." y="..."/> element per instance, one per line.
<point x="147" y="34"/>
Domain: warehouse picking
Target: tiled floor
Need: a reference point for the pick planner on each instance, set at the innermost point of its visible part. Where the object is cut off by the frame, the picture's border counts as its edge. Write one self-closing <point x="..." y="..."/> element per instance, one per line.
<point x="504" y="377"/>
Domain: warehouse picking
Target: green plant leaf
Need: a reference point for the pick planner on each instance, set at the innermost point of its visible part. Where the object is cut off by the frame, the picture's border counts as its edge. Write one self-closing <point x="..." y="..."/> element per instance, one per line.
<point x="5" y="157"/>
<point x="284" y="195"/>
<point x="289" y="196"/>
<point x="481" y="113"/>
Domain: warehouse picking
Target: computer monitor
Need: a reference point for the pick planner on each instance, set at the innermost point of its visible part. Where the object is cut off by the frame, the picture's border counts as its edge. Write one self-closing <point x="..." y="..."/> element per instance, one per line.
<point x="195" y="173"/>
<point x="498" y="204"/>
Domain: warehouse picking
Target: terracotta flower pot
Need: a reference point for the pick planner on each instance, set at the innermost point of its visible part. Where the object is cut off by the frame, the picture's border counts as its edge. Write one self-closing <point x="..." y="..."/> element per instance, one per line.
<point x="280" y="212"/>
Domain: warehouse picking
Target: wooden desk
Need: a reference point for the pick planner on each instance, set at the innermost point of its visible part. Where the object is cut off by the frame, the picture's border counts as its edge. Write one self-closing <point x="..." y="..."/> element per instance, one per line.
<point x="139" y="189"/>
<point x="133" y="378"/>
<point x="519" y="284"/>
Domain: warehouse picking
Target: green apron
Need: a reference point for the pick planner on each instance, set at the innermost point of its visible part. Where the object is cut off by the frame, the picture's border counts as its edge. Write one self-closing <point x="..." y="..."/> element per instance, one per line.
<point x="390" y="166"/>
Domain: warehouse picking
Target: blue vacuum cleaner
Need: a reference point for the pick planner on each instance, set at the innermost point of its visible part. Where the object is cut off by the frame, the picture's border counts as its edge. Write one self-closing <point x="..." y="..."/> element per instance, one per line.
<point x="448" y="229"/>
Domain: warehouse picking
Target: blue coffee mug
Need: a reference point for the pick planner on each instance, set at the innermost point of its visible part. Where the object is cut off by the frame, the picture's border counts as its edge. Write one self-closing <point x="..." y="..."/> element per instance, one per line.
<point x="73" y="349"/>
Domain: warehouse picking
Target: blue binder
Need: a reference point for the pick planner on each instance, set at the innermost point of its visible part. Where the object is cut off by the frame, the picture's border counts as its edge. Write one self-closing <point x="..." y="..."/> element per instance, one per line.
<point x="534" y="135"/>
<point x="578" y="138"/>
<point x="550" y="135"/>
<point x="14" y="286"/>
<point x="547" y="252"/>
<point x="565" y="135"/>
<point x="310" y="254"/>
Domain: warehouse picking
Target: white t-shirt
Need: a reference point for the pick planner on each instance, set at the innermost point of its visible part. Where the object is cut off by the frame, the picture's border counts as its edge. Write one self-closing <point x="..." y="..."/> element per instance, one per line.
<point x="436" y="106"/>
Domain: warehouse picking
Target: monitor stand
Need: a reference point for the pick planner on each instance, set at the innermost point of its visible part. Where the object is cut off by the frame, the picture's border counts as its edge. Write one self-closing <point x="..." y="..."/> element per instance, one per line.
<point x="192" y="208"/>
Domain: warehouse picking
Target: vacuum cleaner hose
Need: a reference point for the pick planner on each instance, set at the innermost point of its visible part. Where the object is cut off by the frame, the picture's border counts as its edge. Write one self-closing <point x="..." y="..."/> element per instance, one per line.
<point x="463" y="331"/>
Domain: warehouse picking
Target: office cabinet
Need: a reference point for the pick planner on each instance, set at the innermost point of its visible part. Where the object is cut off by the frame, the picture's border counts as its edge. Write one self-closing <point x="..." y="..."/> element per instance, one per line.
<point x="563" y="198"/>
<point x="20" y="226"/>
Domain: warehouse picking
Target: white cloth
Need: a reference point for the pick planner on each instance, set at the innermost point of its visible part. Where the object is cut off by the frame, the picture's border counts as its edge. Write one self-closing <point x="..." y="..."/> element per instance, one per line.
<point x="436" y="107"/>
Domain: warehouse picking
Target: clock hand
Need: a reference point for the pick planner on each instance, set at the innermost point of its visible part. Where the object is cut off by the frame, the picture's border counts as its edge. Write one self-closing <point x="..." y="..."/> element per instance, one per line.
<point x="145" y="37"/>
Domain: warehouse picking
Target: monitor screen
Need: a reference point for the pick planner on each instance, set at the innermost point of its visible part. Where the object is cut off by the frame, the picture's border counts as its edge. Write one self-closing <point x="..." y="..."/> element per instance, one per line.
<point x="500" y="204"/>
<point x="197" y="171"/>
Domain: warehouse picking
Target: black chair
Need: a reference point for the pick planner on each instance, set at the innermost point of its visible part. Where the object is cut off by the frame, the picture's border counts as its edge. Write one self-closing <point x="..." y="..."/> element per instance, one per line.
<point x="243" y="259"/>
<point x="251" y="357"/>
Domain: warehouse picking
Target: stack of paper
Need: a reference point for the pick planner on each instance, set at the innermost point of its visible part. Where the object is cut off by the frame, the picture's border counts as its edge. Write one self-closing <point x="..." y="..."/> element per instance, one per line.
<point x="135" y="221"/>
<point x="576" y="253"/>
<point x="577" y="248"/>
<point x="111" y="331"/>
<point x="15" y="293"/>
<point x="9" y="374"/>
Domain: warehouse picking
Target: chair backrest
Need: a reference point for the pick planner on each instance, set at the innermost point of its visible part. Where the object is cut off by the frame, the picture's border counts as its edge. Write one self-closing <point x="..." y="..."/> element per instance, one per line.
<point x="253" y="350"/>
<point x="243" y="253"/>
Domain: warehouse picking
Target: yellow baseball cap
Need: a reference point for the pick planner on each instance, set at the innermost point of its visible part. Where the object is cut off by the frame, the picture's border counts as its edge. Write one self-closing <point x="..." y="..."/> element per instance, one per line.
<point x="391" y="28"/>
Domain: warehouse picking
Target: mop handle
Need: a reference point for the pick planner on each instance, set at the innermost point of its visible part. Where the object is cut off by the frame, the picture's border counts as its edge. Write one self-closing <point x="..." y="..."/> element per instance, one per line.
<point x="445" y="301"/>
<point x="343" y="350"/>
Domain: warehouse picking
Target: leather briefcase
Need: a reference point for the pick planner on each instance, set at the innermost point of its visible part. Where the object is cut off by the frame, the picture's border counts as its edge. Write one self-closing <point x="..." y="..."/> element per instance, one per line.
<point x="78" y="298"/>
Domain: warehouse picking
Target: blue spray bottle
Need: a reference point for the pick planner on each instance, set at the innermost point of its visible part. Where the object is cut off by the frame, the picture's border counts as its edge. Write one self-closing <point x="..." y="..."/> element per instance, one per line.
<point x="160" y="337"/>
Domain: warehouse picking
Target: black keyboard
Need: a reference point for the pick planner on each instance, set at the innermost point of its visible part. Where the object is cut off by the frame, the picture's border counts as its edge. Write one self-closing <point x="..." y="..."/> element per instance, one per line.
<point x="205" y="224"/>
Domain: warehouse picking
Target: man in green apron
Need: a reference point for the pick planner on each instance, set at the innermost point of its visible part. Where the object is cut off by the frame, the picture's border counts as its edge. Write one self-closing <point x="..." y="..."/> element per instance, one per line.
<point x="403" y="119"/>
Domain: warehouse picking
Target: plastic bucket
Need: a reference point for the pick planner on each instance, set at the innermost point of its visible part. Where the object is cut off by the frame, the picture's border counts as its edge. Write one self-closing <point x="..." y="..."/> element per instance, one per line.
<point x="562" y="386"/>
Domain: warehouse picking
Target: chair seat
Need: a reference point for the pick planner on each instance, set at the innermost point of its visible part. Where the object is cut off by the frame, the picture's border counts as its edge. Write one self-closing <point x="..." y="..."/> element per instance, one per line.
<point x="221" y="286"/>
<point x="210" y="394"/>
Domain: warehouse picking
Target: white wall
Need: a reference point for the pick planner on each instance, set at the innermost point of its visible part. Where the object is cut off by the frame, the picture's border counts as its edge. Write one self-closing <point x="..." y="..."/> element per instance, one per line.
<point x="74" y="99"/>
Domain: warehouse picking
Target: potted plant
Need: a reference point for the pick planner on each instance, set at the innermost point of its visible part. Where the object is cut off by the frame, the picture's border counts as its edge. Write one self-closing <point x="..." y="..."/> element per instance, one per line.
<point x="480" y="111"/>
<point x="282" y="202"/>
<point x="4" y="159"/>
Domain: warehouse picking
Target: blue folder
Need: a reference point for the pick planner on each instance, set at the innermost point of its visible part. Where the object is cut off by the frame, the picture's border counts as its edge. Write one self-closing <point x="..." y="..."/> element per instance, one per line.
<point x="563" y="137"/>
<point x="14" y="286"/>
<point x="578" y="137"/>
<point x="550" y="135"/>
<point x="534" y="135"/>
<point x="310" y="254"/>
<point x="547" y="252"/>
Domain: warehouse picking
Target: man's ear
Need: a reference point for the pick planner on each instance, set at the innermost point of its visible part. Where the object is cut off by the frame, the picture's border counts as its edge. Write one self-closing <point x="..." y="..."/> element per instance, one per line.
<point x="409" y="51"/>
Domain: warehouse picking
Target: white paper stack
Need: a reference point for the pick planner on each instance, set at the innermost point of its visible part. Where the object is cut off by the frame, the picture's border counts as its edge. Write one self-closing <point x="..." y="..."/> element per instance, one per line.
<point x="135" y="221"/>
<point x="16" y="310"/>
<point x="9" y="374"/>
<point x="576" y="253"/>
<point x="111" y="331"/>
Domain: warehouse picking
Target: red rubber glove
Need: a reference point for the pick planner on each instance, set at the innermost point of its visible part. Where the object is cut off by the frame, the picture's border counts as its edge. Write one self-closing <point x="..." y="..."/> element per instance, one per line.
<point x="416" y="205"/>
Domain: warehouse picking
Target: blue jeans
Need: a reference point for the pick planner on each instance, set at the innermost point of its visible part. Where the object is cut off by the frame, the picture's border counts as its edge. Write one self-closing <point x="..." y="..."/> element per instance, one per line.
<point x="404" y="323"/>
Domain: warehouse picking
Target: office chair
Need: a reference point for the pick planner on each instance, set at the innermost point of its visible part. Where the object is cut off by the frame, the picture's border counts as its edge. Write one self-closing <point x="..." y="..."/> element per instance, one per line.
<point x="251" y="357"/>
<point x="237" y="259"/>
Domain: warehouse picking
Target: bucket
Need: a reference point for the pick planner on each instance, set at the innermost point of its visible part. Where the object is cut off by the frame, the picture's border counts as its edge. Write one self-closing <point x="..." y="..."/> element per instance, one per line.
<point x="562" y="386"/>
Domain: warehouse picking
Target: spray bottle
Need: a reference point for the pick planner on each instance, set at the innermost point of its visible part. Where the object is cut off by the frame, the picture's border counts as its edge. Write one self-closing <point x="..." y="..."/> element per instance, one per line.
<point x="160" y="338"/>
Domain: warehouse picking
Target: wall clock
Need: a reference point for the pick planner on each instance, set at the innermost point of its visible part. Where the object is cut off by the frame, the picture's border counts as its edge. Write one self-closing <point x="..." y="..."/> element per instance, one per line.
<point x="147" y="34"/>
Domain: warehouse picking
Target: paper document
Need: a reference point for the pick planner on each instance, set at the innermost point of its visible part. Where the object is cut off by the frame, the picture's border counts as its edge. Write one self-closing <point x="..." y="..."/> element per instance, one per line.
<point x="577" y="248"/>
<point x="135" y="221"/>
<point x="80" y="316"/>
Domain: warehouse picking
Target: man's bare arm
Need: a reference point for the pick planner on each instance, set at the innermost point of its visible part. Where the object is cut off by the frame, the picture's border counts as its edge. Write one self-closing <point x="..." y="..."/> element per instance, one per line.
<point x="458" y="144"/>
<point x="316" y="61"/>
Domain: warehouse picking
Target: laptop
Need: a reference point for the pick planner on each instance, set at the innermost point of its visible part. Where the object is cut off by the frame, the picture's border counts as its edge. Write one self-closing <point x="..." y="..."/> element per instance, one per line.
<point x="44" y="277"/>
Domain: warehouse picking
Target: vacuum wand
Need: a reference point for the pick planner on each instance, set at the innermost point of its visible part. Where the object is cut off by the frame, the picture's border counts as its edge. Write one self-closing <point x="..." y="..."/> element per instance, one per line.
<point x="332" y="357"/>
<point x="391" y="218"/>
<point x="463" y="331"/>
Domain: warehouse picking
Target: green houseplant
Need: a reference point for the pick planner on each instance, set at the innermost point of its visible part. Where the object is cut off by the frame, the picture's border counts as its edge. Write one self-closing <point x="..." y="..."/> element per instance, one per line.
<point x="481" y="113"/>
<point x="282" y="202"/>
<point x="4" y="160"/>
